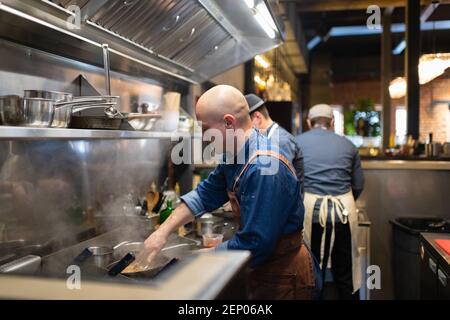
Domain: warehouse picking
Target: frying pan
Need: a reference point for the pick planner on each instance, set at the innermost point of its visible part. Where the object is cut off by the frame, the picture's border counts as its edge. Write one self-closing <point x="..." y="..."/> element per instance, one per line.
<point x="133" y="248"/>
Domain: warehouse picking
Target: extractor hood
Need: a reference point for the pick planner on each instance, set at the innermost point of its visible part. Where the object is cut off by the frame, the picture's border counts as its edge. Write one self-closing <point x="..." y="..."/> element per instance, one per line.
<point x="190" y="39"/>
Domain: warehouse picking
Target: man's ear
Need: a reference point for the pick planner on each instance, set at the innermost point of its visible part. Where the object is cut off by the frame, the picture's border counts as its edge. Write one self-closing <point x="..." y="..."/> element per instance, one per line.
<point x="230" y="121"/>
<point x="309" y="123"/>
<point x="332" y="125"/>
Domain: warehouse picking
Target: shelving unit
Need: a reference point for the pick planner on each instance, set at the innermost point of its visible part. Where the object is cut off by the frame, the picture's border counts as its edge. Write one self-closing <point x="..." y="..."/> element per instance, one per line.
<point x="8" y="133"/>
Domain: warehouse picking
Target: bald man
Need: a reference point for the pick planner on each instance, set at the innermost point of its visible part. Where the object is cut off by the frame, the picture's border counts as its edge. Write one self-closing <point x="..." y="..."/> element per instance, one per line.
<point x="265" y="195"/>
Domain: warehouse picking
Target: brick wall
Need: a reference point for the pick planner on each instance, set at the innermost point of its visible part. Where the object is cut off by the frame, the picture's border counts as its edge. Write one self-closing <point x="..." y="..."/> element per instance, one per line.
<point x="348" y="92"/>
<point x="433" y="117"/>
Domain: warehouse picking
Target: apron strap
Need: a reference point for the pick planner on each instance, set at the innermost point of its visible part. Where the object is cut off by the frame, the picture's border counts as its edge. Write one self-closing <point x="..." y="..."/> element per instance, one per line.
<point x="269" y="153"/>
<point x="272" y="130"/>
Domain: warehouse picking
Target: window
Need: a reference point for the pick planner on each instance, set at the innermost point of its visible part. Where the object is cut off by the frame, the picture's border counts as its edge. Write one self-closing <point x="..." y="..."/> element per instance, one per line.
<point x="400" y="124"/>
<point x="338" y="119"/>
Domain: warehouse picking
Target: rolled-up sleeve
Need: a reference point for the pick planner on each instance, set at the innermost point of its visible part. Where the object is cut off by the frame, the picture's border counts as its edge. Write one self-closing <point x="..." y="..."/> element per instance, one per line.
<point x="209" y="195"/>
<point x="357" y="176"/>
<point x="266" y="201"/>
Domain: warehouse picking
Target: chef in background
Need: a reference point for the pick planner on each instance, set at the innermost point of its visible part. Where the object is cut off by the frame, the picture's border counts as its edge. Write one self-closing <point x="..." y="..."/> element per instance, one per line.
<point x="278" y="135"/>
<point x="333" y="181"/>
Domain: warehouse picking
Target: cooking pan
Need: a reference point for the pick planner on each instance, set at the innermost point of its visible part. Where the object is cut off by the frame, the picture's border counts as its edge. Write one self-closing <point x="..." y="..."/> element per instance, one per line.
<point x="65" y="109"/>
<point x="111" y="119"/>
<point x="50" y="95"/>
<point x="133" y="249"/>
<point x="28" y="112"/>
<point x="97" y="251"/>
<point x="100" y="116"/>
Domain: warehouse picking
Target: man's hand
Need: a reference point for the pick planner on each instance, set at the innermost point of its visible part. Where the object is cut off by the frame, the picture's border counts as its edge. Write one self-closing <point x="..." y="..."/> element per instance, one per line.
<point x="158" y="239"/>
<point x="154" y="244"/>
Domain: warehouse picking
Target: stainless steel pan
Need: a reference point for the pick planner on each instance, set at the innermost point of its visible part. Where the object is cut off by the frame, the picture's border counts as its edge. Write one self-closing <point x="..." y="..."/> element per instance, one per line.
<point x="28" y="112"/>
<point x="50" y="95"/>
<point x="134" y="248"/>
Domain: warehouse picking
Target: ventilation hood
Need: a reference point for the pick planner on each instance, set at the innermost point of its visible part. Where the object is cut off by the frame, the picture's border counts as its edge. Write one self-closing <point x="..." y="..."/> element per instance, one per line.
<point x="190" y="39"/>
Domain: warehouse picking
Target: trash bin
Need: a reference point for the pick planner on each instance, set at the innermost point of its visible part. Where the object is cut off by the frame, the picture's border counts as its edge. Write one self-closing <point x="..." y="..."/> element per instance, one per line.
<point x="406" y="256"/>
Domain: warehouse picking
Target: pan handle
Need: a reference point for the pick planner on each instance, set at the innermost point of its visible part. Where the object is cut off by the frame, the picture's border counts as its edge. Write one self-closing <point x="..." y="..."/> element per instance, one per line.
<point x="167" y="266"/>
<point x="132" y="116"/>
<point x="122" y="264"/>
<point x="83" y="256"/>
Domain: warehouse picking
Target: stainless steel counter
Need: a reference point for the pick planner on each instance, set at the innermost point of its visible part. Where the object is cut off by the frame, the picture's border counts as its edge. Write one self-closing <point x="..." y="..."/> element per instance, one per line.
<point x="405" y="165"/>
<point x="195" y="276"/>
<point x="204" y="277"/>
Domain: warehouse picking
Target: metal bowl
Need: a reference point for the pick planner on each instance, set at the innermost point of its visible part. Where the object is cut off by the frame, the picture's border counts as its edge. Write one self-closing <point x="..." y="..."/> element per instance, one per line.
<point x="50" y="95"/>
<point x="142" y="122"/>
<point x="28" y="112"/>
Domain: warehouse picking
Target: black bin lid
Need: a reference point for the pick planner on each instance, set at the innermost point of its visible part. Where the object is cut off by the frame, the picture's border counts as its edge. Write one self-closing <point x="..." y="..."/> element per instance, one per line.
<point x="416" y="225"/>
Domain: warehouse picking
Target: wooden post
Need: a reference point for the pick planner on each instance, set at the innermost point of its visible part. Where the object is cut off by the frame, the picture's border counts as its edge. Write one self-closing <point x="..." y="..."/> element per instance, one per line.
<point x="386" y="75"/>
<point x="412" y="55"/>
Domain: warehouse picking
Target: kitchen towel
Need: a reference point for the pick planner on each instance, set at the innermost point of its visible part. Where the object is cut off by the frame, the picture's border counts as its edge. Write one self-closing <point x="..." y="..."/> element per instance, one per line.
<point x="444" y="244"/>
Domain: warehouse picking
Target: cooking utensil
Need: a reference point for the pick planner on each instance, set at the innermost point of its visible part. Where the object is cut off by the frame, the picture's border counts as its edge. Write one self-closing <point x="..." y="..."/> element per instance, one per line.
<point x="158" y="206"/>
<point x="90" y="100"/>
<point x="105" y="48"/>
<point x="121" y="264"/>
<point x="104" y="123"/>
<point x="83" y="256"/>
<point x="165" y="267"/>
<point x="50" y="95"/>
<point x="141" y="121"/>
<point x="97" y="251"/>
<point x="28" y="265"/>
<point x="95" y="117"/>
<point x="152" y="197"/>
<point x="28" y="112"/>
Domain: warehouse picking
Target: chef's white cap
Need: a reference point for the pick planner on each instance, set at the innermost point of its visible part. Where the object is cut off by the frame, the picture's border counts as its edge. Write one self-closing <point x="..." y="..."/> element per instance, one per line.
<point x="321" y="110"/>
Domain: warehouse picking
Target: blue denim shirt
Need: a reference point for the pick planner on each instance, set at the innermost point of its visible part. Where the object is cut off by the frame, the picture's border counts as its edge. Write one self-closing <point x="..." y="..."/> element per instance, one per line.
<point x="269" y="196"/>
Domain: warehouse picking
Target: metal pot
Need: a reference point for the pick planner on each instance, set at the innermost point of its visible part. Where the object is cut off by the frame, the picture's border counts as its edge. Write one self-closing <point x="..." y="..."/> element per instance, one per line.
<point x="28" y="112"/>
<point x="50" y="95"/>
<point x="142" y="122"/>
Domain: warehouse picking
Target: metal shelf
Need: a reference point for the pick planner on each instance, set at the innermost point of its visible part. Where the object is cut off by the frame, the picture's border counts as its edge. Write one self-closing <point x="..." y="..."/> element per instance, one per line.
<point x="8" y="133"/>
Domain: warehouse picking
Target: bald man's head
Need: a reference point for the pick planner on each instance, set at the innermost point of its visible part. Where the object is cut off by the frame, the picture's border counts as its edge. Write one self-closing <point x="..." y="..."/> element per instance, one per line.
<point x="224" y="106"/>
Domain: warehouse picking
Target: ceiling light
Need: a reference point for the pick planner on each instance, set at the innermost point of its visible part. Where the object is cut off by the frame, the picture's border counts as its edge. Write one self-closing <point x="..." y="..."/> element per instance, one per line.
<point x="399" y="48"/>
<point x="264" y="11"/>
<point x="270" y="32"/>
<point x="432" y="66"/>
<point x="262" y="62"/>
<point x="250" y="3"/>
<point x="260" y="82"/>
<point x="397" y="88"/>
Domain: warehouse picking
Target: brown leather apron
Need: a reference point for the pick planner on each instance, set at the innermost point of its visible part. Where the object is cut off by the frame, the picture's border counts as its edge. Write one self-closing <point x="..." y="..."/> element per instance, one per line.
<point x="288" y="273"/>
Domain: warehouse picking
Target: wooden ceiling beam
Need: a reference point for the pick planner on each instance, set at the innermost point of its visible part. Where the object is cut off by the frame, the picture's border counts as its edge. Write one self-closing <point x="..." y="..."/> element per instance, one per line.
<point x="340" y="5"/>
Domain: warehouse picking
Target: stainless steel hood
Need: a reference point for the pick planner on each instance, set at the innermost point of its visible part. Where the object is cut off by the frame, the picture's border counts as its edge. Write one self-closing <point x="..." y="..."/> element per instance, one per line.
<point x="191" y="39"/>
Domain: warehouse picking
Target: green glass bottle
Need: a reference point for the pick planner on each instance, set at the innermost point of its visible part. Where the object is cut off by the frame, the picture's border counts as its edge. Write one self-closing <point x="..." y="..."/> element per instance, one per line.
<point x="166" y="212"/>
